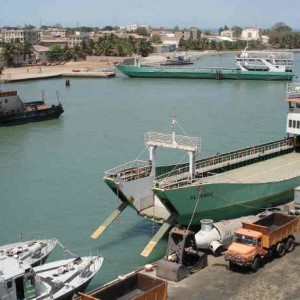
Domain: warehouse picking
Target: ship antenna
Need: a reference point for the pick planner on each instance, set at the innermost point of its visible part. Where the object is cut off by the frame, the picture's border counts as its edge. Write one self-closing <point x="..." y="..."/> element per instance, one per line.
<point x="173" y="129"/>
<point x="43" y="95"/>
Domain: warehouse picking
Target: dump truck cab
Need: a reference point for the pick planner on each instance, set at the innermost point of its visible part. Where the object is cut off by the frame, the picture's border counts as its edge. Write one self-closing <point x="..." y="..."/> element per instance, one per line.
<point x="246" y="249"/>
<point x="268" y="236"/>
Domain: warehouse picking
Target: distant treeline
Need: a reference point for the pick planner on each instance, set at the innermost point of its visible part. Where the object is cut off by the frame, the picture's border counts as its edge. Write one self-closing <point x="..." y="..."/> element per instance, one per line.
<point x="280" y="36"/>
<point x="206" y="44"/>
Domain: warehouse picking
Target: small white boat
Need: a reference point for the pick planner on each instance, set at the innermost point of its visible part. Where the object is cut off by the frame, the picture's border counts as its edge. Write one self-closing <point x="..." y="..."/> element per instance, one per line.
<point x="58" y="280"/>
<point x="34" y="252"/>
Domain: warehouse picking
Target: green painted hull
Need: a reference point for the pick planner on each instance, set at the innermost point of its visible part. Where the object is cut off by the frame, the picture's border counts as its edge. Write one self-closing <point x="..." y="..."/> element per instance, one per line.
<point x="201" y="73"/>
<point x="225" y="201"/>
<point x="211" y="197"/>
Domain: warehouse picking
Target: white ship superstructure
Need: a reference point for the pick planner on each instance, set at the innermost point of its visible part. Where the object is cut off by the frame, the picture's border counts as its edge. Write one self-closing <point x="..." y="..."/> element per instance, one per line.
<point x="272" y="61"/>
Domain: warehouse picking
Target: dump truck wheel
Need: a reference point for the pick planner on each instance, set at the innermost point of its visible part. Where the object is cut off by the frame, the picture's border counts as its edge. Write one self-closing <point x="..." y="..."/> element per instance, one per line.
<point x="280" y="249"/>
<point x="255" y="264"/>
<point x="232" y="265"/>
<point x="290" y="245"/>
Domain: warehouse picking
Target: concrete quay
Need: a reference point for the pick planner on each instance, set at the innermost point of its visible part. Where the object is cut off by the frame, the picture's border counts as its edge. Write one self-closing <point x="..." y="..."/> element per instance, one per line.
<point x="78" y="69"/>
<point x="48" y="75"/>
<point x="276" y="280"/>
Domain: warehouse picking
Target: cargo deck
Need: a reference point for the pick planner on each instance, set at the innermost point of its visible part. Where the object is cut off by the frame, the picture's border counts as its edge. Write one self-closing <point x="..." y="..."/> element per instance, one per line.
<point x="276" y="169"/>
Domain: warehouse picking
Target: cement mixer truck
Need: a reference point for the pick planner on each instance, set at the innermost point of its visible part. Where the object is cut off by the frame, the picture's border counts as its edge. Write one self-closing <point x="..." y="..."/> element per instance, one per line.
<point x="269" y="236"/>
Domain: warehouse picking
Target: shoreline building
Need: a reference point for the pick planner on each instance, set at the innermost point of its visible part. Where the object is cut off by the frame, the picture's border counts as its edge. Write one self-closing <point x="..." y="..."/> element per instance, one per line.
<point x="21" y="35"/>
<point x="250" y="34"/>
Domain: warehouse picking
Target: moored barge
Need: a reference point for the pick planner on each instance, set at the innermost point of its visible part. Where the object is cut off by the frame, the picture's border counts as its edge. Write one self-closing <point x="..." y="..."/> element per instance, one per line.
<point x="13" y="111"/>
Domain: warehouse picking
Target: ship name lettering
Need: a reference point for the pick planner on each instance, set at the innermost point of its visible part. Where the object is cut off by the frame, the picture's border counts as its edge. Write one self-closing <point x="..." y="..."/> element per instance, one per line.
<point x="202" y="195"/>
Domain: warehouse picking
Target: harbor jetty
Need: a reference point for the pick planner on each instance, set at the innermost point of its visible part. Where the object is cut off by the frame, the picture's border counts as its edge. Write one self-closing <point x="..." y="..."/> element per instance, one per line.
<point x="78" y="69"/>
<point x="55" y="74"/>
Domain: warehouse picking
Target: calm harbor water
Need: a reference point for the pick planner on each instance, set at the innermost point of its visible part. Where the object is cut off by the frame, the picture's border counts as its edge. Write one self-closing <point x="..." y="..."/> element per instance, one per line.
<point x="51" y="172"/>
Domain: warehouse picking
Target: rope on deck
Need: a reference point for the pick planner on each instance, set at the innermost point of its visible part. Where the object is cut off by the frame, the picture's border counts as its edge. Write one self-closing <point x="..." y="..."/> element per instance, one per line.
<point x="66" y="250"/>
<point x="196" y="204"/>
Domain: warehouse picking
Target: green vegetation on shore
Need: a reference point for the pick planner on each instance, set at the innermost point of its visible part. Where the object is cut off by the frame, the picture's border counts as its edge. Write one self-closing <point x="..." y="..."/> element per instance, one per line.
<point x="108" y="45"/>
<point x="205" y="44"/>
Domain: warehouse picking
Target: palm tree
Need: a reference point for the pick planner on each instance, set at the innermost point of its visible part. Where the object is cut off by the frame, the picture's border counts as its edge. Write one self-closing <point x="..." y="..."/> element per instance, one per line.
<point x="26" y="50"/>
<point x="121" y="48"/>
<point x="68" y="53"/>
<point x="143" y="47"/>
<point x="77" y="52"/>
<point x="103" y="47"/>
<point x="132" y="41"/>
<point x="90" y="47"/>
<point x="9" y="52"/>
<point x="155" y="39"/>
<point x="56" y="53"/>
<point x="84" y="47"/>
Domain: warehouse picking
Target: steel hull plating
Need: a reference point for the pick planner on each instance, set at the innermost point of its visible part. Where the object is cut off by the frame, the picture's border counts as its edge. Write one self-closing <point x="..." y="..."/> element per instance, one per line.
<point x="220" y="201"/>
<point x="32" y="116"/>
<point x="201" y="73"/>
<point x="225" y="201"/>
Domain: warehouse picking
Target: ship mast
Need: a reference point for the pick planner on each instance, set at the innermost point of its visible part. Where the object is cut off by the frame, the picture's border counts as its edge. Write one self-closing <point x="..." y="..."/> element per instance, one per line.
<point x="173" y="141"/>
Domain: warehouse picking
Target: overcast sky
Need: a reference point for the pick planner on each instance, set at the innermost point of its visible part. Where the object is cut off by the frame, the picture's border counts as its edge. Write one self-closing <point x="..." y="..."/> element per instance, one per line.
<point x="167" y="13"/>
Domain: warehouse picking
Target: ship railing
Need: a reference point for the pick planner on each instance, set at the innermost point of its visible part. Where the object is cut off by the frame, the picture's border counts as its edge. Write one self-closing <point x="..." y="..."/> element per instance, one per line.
<point x="131" y="170"/>
<point x="252" y="63"/>
<point x="190" y="68"/>
<point x="181" y="177"/>
<point x="293" y="90"/>
<point x="168" y="140"/>
<point x="294" y="109"/>
<point x="268" y="55"/>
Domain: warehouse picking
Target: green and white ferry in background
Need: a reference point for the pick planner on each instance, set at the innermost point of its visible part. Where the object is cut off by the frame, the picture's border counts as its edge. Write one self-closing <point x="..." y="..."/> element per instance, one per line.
<point x="226" y="186"/>
<point x="251" y="65"/>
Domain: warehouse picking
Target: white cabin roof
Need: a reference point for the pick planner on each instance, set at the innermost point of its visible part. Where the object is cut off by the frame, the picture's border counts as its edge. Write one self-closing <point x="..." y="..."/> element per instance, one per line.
<point x="11" y="268"/>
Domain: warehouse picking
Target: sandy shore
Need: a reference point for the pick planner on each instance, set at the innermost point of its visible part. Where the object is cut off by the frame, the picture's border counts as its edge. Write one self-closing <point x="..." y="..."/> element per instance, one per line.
<point x="34" y="71"/>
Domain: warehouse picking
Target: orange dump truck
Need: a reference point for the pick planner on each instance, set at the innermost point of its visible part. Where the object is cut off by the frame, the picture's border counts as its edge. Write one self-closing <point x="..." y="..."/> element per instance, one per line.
<point x="271" y="235"/>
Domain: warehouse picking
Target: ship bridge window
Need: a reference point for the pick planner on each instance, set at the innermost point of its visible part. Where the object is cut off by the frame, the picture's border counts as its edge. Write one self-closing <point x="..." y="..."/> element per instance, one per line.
<point x="294" y="124"/>
<point x="9" y="285"/>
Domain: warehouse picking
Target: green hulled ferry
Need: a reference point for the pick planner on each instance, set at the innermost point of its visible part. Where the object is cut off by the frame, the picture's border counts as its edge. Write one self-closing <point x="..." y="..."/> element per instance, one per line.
<point x="226" y="186"/>
<point x="251" y="65"/>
